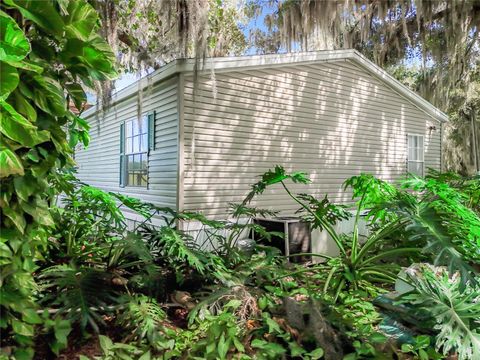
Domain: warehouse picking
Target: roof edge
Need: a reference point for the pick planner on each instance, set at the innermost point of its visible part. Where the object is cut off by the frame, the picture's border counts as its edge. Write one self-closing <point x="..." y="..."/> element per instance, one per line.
<point x="396" y="85"/>
<point x="254" y="61"/>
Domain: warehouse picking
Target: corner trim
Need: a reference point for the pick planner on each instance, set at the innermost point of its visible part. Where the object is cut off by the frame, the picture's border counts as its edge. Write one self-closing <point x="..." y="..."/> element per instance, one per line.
<point x="181" y="142"/>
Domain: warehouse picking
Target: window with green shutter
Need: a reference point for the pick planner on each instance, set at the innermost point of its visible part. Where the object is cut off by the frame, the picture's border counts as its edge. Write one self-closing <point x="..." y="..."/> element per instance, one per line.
<point x="136" y="139"/>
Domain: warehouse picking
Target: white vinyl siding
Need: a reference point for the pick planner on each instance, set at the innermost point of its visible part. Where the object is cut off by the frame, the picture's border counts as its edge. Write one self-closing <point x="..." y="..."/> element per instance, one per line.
<point x="332" y="120"/>
<point x="99" y="164"/>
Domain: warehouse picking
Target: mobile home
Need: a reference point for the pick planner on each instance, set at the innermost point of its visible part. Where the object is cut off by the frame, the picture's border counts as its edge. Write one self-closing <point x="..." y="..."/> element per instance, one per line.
<point x="196" y="141"/>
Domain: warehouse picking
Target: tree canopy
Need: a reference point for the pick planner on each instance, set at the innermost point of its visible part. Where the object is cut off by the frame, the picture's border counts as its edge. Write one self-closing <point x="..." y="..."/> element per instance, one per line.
<point x="437" y="42"/>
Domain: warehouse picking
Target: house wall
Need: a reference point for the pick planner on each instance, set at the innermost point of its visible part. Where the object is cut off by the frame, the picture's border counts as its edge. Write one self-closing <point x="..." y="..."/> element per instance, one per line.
<point x="99" y="164"/>
<point x="332" y="120"/>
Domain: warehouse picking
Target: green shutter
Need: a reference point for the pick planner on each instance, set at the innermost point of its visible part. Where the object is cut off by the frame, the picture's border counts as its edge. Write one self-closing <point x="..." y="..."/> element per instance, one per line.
<point x="151" y="131"/>
<point x="122" y="154"/>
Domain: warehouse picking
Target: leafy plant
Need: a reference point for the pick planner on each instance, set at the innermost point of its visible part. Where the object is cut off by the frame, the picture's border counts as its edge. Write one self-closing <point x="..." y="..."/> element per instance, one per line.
<point x="453" y="228"/>
<point x="355" y="314"/>
<point x="57" y="329"/>
<point x="50" y="49"/>
<point x="222" y="335"/>
<point x="468" y="186"/>
<point x="454" y="310"/>
<point x="114" y="351"/>
<point x="421" y="348"/>
<point x="175" y="247"/>
<point x="82" y="294"/>
<point x="360" y="262"/>
<point x="144" y="318"/>
<point x="278" y="340"/>
<point x="89" y="218"/>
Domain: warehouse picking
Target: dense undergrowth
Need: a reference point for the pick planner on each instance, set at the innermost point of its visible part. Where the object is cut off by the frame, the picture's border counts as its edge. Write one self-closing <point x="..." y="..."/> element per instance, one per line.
<point x="155" y="293"/>
<point x="75" y="281"/>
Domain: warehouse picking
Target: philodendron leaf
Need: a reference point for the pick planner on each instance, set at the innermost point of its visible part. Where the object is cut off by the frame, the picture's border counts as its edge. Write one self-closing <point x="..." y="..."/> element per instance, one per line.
<point x="16" y="217"/>
<point x="81" y="20"/>
<point x="10" y="164"/>
<point x="42" y="13"/>
<point x="9" y="78"/>
<point x="26" y="65"/>
<point x="77" y="94"/>
<point x="23" y="106"/>
<point x="62" y="329"/>
<point x="16" y="127"/>
<point x="14" y="46"/>
<point x="93" y="55"/>
<point x="49" y="96"/>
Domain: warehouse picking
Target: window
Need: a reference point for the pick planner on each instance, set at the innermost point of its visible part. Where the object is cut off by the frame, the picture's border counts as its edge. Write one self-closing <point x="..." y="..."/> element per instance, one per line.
<point x="135" y="142"/>
<point x="415" y="160"/>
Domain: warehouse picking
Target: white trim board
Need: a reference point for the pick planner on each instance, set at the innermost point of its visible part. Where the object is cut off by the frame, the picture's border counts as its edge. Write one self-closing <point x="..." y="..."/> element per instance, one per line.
<point x="225" y="64"/>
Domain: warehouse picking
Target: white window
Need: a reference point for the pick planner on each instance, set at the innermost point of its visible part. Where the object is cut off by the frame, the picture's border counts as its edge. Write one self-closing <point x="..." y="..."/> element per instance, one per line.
<point x="136" y="140"/>
<point x="136" y="147"/>
<point x="416" y="152"/>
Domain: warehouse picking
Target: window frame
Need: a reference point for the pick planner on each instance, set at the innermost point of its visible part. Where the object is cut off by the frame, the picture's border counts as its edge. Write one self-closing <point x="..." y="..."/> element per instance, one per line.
<point x="422" y="152"/>
<point x="146" y="139"/>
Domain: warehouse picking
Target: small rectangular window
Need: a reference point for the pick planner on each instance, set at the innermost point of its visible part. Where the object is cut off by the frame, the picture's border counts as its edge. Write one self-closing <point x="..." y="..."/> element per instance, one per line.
<point x="416" y="153"/>
<point x="136" y="152"/>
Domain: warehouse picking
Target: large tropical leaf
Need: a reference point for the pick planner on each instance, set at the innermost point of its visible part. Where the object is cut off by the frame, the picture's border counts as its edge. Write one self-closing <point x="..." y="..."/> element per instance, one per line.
<point x="9" y="77"/>
<point x="42" y="13"/>
<point x="16" y="127"/>
<point x="81" y="20"/>
<point x="14" y="45"/>
<point x="10" y="164"/>
<point x="48" y="95"/>
<point x="82" y="294"/>
<point x="92" y="57"/>
<point x="455" y="310"/>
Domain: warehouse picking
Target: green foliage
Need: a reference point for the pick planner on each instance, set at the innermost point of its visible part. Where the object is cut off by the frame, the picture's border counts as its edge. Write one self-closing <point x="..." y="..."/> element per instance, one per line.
<point x="469" y="187"/>
<point x="360" y="263"/>
<point x="176" y="248"/>
<point x="433" y="215"/>
<point x="278" y="341"/>
<point x="276" y="176"/>
<point x="97" y="269"/>
<point x="421" y="348"/>
<point x="222" y="334"/>
<point x="89" y="218"/>
<point x="57" y="329"/>
<point x="456" y="311"/>
<point x="143" y="317"/>
<point x="46" y="48"/>
<point x="82" y="294"/>
<point x="356" y="314"/>
<point x="458" y="221"/>
<point x="114" y="351"/>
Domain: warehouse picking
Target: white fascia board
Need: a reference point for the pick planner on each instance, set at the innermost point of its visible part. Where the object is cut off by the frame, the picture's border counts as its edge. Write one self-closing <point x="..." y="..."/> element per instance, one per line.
<point x="225" y="64"/>
<point x="272" y="60"/>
